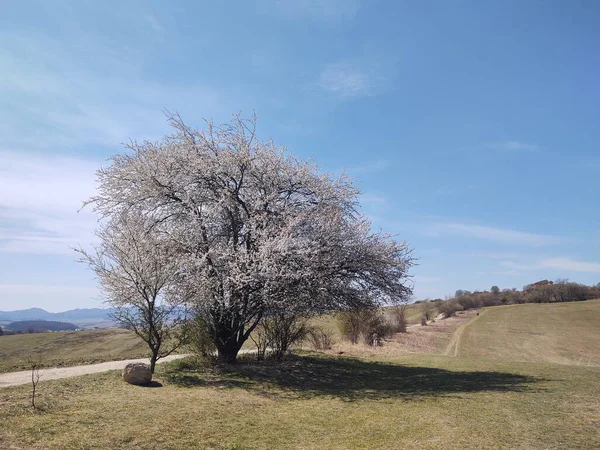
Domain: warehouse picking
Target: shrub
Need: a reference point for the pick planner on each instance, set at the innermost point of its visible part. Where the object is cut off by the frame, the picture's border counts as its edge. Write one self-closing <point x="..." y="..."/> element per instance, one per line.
<point x="318" y="338"/>
<point x="376" y="328"/>
<point x="283" y="329"/>
<point x="401" y="322"/>
<point x="428" y="309"/>
<point x="449" y="308"/>
<point x="365" y="323"/>
<point x="350" y="324"/>
<point x="199" y="335"/>
<point x="260" y="337"/>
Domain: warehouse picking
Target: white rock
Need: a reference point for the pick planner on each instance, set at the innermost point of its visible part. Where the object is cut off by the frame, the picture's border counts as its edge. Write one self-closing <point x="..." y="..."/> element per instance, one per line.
<point x="137" y="373"/>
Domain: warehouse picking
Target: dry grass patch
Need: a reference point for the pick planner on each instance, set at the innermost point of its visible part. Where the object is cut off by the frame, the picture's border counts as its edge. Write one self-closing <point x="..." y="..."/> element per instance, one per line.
<point x="433" y="338"/>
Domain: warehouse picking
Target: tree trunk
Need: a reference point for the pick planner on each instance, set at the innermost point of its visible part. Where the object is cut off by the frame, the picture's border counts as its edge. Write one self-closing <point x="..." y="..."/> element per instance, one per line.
<point x="153" y="359"/>
<point x="227" y="352"/>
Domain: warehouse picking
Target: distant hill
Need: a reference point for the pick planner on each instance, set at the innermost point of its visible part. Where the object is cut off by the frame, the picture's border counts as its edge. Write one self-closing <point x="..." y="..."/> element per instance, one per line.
<point x="41" y="314"/>
<point x="82" y="317"/>
<point x="40" y="326"/>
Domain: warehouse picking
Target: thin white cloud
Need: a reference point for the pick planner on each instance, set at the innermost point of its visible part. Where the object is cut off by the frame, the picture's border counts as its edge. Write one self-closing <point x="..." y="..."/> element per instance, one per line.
<point x="512" y="146"/>
<point x="153" y="23"/>
<point x="348" y="80"/>
<point x="56" y="96"/>
<point x="372" y="199"/>
<point x="39" y="199"/>
<point x="570" y="264"/>
<point x="560" y="263"/>
<point x="502" y="235"/>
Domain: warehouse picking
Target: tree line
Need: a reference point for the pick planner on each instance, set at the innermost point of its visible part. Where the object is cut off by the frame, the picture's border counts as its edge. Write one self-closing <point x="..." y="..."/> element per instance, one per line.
<point x="545" y="291"/>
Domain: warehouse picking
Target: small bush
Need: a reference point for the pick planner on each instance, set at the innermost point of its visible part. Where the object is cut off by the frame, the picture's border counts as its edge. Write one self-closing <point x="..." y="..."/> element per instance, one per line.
<point x="319" y="339"/>
<point x="260" y="336"/>
<point x="376" y="329"/>
<point x="199" y="335"/>
<point x="281" y="330"/>
<point x="351" y="324"/>
<point x="370" y="324"/>
<point x="401" y="322"/>
<point x="449" y="308"/>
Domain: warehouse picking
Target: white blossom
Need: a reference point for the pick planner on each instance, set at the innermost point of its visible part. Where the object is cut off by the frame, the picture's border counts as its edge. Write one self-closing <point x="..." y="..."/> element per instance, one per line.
<point x="249" y="227"/>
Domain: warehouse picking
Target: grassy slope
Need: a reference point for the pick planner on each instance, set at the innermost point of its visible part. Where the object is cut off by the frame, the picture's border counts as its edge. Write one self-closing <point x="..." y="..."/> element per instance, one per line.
<point x="384" y="400"/>
<point x="69" y="348"/>
<point x="317" y="402"/>
<point x="84" y="347"/>
<point x="564" y="333"/>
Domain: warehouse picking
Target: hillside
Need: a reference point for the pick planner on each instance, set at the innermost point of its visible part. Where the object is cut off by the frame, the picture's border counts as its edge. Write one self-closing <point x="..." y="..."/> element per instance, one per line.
<point x="564" y="333"/>
<point x="69" y="348"/>
<point x="40" y="326"/>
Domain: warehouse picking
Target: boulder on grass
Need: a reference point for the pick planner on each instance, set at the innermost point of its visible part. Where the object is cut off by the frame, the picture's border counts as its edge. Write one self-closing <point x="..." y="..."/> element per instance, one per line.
<point x="137" y="373"/>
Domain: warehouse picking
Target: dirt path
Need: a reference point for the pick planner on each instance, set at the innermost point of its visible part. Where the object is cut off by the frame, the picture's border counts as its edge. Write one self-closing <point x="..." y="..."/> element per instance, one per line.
<point x="24" y="377"/>
<point x="453" y="345"/>
<point x="438" y="317"/>
<point x="56" y="373"/>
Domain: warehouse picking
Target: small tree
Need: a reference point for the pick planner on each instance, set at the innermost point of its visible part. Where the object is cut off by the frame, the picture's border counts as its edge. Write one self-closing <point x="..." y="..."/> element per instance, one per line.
<point x="135" y="268"/>
<point x="495" y="290"/>
<point x="35" y="363"/>
<point x="427" y="310"/>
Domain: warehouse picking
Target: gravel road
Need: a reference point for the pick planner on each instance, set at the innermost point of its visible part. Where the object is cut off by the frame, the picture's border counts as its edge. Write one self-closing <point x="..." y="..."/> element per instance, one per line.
<point x="24" y="377"/>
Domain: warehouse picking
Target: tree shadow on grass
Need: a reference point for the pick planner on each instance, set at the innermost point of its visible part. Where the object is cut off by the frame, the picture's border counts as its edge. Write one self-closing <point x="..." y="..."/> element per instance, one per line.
<point x="348" y="379"/>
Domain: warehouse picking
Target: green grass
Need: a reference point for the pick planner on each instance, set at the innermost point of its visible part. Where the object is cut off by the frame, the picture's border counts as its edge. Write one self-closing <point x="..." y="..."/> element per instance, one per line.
<point x="483" y="397"/>
<point x="312" y="401"/>
<point x="69" y="348"/>
<point x="564" y="333"/>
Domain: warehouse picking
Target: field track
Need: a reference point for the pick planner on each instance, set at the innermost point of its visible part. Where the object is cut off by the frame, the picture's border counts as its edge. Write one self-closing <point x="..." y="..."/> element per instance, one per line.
<point x="454" y="344"/>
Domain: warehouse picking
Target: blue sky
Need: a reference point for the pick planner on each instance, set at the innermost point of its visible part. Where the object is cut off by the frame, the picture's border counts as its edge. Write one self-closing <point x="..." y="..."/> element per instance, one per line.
<point x="471" y="127"/>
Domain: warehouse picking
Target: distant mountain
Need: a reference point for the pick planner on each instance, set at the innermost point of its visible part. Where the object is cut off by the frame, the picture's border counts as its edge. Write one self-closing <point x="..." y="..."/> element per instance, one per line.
<point x="84" y="313"/>
<point x="41" y="314"/>
<point x="40" y="326"/>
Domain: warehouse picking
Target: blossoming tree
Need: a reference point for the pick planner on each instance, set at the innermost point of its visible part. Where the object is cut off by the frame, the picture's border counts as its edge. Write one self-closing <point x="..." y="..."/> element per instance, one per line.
<point x="252" y="229"/>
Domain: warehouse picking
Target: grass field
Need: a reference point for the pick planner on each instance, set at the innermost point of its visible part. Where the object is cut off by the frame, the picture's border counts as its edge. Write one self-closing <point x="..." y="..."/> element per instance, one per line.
<point x="389" y="398"/>
<point x="564" y="333"/>
<point x="316" y="402"/>
<point x="68" y="348"/>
